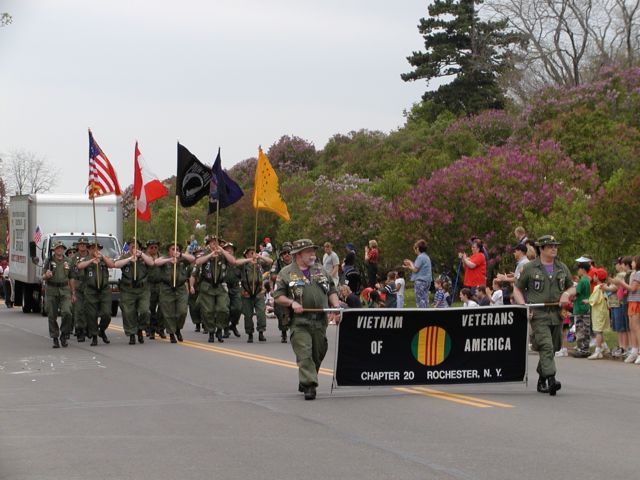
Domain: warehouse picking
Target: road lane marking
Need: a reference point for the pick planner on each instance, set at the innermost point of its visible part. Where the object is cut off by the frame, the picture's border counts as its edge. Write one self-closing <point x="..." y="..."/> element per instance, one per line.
<point x="426" y="392"/>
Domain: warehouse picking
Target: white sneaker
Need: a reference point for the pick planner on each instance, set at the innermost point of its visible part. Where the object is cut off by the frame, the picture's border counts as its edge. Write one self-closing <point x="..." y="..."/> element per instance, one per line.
<point x="632" y="357"/>
<point x="562" y="352"/>
<point x="605" y="348"/>
<point x="592" y="342"/>
<point x="597" y="355"/>
<point x="637" y="362"/>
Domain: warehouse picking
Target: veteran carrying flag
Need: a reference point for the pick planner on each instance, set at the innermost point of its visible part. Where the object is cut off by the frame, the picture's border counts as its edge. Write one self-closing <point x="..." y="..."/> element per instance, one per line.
<point x="223" y="191"/>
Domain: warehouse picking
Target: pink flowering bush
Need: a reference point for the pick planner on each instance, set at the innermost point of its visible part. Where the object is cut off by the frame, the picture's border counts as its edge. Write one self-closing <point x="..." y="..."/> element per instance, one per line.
<point x="488" y="195"/>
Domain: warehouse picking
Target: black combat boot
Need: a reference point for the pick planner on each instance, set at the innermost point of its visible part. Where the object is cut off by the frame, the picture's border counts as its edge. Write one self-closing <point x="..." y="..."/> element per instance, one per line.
<point x="140" y="337"/>
<point x="554" y="386"/>
<point x="226" y="333"/>
<point x="103" y="336"/>
<point x="261" y="337"/>
<point x="132" y="339"/>
<point x="250" y="338"/>
<point x="179" y="336"/>
<point x="56" y="342"/>
<point x="94" y="341"/>
<point x="63" y="340"/>
<point x="162" y="334"/>
<point x="212" y="337"/>
<point x="197" y="327"/>
<point x="80" y="336"/>
<point x="310" y="393"/>
<point x="235" y="331"/>
<point x="219" y="335"/>
<point x="283" y="339"/>
<point x="151" y="334"/>
<point x="173" y="338"/>
<point x="542" y="385"/>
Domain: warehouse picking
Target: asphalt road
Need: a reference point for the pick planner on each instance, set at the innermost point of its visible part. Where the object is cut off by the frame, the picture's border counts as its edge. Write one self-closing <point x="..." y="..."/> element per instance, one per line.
<point x="231" y="411"/>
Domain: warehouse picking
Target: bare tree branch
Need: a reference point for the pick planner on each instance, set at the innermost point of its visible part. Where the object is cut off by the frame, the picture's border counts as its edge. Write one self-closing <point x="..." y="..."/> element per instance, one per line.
<point x="29" y="173"/>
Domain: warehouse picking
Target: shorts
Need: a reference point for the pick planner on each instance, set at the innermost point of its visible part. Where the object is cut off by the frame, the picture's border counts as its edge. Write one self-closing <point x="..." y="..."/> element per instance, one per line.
<point x="619" y="319"/>
<point x="633" y="308"/>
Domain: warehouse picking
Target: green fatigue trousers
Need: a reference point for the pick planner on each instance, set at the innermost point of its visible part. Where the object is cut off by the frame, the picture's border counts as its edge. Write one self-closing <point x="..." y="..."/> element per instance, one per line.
<point x="59" y="298"/>
<point x="173" y="306"/>
<point x="79" y="310"/>
<point x="97" y="303"/>
<point x="214" y="306"/>
<point x="156" y="320"/>
<point x="282" y="314"/>
<point x="134" y="302"/>
<point x="235" y="306"/>
<point x="309" y="342"/>
<point x="547" y="339"/>
<point x="194" y="309"/>
<point x="249" y="305"/>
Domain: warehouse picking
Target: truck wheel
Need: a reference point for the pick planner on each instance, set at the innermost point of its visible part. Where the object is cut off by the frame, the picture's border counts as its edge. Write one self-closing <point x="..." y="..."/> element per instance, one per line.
<point x="114" y="309"/>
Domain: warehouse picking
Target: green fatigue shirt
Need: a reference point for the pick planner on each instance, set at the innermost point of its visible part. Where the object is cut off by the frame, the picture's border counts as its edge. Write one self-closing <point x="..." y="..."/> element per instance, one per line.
<point x="182" y="272"/>
<point x="134" y="277"/>
<point x="311" y="292"/>
<point x="233" y="278"/>
<point x="251" y="278"/>
<point x="539" y="286"/>
<point x="195" y="273"/>
<point x="60" y="270"/>
<point x="75" y="273"/>
<point x="153" y="274"/>
<point x="214" y="270"/>
<point x="91" y="277"/>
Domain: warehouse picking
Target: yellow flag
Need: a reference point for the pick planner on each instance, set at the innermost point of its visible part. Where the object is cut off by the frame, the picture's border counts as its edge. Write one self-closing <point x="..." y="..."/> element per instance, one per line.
<point x="266" y="194"/>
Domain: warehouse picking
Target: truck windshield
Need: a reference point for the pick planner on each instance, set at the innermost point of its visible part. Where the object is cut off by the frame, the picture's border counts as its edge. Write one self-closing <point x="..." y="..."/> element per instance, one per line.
<point x="109" y="243"/>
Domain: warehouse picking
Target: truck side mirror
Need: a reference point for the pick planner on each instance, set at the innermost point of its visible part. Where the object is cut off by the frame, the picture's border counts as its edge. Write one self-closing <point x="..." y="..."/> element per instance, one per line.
<point x="33" y="253"/>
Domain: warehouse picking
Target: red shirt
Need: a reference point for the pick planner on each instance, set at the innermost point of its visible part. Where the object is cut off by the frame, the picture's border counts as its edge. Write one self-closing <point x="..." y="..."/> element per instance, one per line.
<point x="372" y="257"/>
<point x="478" y="275"/>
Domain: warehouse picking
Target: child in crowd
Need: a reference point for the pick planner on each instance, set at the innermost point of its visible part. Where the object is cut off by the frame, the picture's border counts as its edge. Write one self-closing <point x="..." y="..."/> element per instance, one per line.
<point x="617" y="299"/>
<point x="440" y="297"/>
<point x="631" y="283"/>
<point x="465" y="298"/>
<point x="400" y="284"/>
<point x="482" y="297"/>
<point x="565" y="313"/>
<point x="497" y="297"/>
<point x="599" y="312"/>
<point x="389" y="290"/>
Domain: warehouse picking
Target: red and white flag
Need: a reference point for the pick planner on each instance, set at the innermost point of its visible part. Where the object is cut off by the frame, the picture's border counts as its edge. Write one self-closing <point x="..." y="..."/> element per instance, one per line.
<point x="146" y="187"/>
<point x="102" y="176"/>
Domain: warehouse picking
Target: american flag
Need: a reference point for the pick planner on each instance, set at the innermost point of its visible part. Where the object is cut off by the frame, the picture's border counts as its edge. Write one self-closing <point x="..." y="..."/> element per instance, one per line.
<point x="37" y="235"/>
<point x="102" y="176"/>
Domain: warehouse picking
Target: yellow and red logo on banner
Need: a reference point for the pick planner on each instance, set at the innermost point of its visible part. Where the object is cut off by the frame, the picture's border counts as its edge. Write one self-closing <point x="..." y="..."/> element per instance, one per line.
<point x="431" y="346"/>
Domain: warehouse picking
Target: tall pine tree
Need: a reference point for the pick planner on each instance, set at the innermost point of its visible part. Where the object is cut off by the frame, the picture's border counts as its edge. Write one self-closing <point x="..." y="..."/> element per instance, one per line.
<point x="458" y="43"/>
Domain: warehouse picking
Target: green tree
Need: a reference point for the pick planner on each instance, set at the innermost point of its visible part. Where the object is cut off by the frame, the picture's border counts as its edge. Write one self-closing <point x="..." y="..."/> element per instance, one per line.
<point x="5" y="19"/>
<point x="477" y="53"/>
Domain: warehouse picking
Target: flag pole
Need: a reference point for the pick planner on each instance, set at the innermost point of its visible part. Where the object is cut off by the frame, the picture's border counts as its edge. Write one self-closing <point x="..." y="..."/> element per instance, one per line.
<point x="135" y="238"/>
<point x="95" y="230"/>
<point x="255" y="246"/>
<point x="175" y="239"/>
<point x="215" y="264"/>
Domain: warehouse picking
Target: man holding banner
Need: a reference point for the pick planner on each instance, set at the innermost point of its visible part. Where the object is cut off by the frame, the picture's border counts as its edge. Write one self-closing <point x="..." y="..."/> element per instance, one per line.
<point x="547" y="283"/>
<point x="307" y="289"/>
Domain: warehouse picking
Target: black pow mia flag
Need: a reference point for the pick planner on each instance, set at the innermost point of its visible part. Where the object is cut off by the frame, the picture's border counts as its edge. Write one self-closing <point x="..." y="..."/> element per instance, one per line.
<point x="193" y="178"/>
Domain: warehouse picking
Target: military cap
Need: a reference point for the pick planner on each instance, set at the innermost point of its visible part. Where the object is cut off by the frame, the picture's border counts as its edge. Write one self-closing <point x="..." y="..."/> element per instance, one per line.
<point x="286" y="247"/>
<point x="58" y="243"/>
<point x="210" y="238"/>
<point x="82" y="241"/>
<point x="547" y="240"/>
<point x="153" y="242"/>
<point x="248" y="249"/>
<point x="302" y="244"/>
<point x="100" y="246"/>
<point x="230" y="245"/>
<point x="131" y="241"/>
<point x="70" y="250"/>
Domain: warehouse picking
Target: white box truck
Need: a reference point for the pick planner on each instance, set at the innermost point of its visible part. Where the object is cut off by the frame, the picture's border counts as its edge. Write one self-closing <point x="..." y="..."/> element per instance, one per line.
<point x="65" y="217"/>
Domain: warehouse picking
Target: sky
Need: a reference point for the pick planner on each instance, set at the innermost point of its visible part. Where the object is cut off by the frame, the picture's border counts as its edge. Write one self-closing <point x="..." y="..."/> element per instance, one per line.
<point x="234" y="74"/>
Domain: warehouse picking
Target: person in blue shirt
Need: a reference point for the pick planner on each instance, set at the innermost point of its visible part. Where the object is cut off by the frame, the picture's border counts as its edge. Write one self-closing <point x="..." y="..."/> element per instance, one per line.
<point x="421" y="273"/>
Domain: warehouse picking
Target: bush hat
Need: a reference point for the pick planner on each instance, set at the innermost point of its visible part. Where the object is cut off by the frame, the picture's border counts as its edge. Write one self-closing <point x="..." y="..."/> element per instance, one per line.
<point x="82" y="241"/>
<point x="58" y="244"/>
<point x="302" y="244"/>
<point x="545" y="240"/>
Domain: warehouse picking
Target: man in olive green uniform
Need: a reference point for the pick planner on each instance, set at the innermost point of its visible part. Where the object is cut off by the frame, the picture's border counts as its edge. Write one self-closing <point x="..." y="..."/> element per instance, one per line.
<point x="253" y="292"/>
<point x="282" y="313"/>
<point x="305" y="287"/>
<point x="55" y="273"/>
<point x="194" y="288"/>
<point x="77" y="283"/>
<point x="234" y="291"/>
<point x="174" y="294"/>
<point x="213" y="298"/>
<point x="153" y="279"/>
<point x="134" y="290"/>
<point x="545" y="280"/>
<point x="97" y="293"/>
